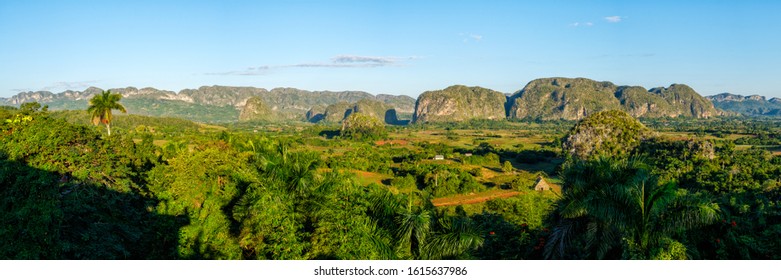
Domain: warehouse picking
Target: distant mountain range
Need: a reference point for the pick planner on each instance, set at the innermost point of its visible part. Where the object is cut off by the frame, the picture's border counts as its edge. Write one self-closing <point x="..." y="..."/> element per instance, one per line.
<point x="752" y="105"/>
<point x="214" y="103"/>
<point x="543" y="99"/>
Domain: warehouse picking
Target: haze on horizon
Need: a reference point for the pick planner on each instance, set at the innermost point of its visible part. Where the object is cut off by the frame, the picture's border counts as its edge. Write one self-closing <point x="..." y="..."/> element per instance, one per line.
<point x="390" y="47"/>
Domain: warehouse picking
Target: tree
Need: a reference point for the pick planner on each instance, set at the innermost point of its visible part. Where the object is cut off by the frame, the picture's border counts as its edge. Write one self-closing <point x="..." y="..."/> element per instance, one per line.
<point x="101" y="105"/>
<point x="507" y="167"/>
<point x="420" y="232"/>
<point x="613" y="208"/>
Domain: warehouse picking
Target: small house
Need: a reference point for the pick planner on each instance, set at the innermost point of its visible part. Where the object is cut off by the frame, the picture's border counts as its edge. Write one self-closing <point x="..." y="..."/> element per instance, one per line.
<point x="468" y="154"/>
<point x="439" y="157"/>
<point x="541" y="185"/>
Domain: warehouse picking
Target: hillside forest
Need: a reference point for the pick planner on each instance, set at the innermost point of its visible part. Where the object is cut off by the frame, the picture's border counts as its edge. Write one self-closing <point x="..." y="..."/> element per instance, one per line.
<point x="607" y="186"/>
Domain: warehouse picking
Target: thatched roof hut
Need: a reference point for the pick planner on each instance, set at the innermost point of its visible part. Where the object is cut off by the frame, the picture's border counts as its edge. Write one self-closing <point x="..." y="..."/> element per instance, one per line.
<point x="541" y="185"/>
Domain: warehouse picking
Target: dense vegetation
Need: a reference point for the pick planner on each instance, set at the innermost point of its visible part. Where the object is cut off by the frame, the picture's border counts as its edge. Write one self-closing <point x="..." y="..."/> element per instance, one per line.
<point x="163" y="188"/>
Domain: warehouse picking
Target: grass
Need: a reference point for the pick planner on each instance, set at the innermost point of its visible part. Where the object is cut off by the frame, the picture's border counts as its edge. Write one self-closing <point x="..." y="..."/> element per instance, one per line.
<point x="473" y="198"/>
<point x="470" y="138"/>
<point x="365" y="177"/>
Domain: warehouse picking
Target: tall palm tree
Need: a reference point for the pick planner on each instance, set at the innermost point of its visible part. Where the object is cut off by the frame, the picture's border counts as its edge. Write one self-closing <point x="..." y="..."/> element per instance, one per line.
<point x="613" y="208"/>
<point x="101" y="105"/>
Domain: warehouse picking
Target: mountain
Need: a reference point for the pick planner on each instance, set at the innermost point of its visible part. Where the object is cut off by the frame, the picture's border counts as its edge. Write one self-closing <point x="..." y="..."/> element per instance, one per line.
<point x="459" y="103"/>
<point x="256" y="109"/>
<point x="544" y="99"/>
<point x="338" y="112"/>
<point x="752" y="105"/>
<point x="608" y="133"/>
<point x="211" y="103"/>
<point x="574" y="99"/>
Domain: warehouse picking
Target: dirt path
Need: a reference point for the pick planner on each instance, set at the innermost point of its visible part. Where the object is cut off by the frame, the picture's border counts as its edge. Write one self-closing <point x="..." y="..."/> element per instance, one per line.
<point x="473" y="198"/>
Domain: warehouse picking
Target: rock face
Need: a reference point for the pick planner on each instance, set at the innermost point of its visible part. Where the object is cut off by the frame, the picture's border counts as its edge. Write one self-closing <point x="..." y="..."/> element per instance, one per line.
<point x="684" y="101"/>
<point x="45" y="97"/>
<point x="338" y="112"/>
<point x="562" y="98"/>
<point x="574" y="99"/>
<point x="610" y="133"/>
<point x="753" y="105"/>
<point x="255" y="109"/>
<point x="402" y="103"/>
<point x="459" y="103"/>
<point x="315" y="114"/>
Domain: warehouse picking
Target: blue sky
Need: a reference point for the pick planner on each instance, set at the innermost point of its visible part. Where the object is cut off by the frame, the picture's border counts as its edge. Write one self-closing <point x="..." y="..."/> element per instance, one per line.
<point x="392" y="47"/>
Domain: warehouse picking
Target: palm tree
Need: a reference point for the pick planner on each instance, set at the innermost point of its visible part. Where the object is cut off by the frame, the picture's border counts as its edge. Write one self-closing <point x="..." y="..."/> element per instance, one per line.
<point x="101" y="105"/>
<point x="613" y="208"/>
<point x="419" y="231"/>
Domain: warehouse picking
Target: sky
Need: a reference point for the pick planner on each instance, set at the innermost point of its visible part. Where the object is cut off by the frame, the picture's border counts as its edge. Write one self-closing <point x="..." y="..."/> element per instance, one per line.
<point x="388" y="47"/>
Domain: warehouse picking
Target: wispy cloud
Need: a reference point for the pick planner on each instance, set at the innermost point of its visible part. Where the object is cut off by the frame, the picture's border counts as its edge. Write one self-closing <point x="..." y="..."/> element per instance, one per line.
<point x="470" y="37"/>
<point x="60" y="86"/>
<point x="614" y="19"/>
<point x="347" y="59"/>
<point x="582" y="24"/>
<point x="340" y="61"/>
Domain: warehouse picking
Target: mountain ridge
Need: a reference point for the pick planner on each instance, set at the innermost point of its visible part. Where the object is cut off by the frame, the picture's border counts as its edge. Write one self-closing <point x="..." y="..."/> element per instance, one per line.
<point x="576" y="98"/>
<point x="221" y="103"/>
<point x="544" y="99"/>
<point x="750" y="105"/>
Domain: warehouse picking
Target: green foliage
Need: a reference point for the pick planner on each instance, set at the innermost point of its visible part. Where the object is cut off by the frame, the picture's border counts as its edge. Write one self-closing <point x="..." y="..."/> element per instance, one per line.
<point x="612" y="208"/>
<point x="531" y="209"/>
<point x="608" y="133"/>
<point x="160" y="127"/>
<point x="199" y="185"/>
<point x="419" y="232"/>
<point x="507" y="167"/>
<point x="79" y="196"/>
<point x="163" y="188"/>
<point x="443" y="180"/>
<point x="197" y="112"/>
<point x="363" y="157"/>
<point x="359" y="126"/>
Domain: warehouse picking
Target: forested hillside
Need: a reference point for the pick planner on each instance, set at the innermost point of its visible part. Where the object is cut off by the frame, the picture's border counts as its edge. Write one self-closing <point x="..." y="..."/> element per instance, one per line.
<point x="165" y="188"/>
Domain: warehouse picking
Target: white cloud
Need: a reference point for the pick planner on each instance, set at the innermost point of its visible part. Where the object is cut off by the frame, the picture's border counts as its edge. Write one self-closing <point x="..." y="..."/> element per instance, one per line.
<point x="579" y="24"/>
<point x="614" y="19"/>
<point x="62" y="86"/>
<point x="470" y="37"/>
<point x="363" y="59"/>
<point x="340" y="61"/>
